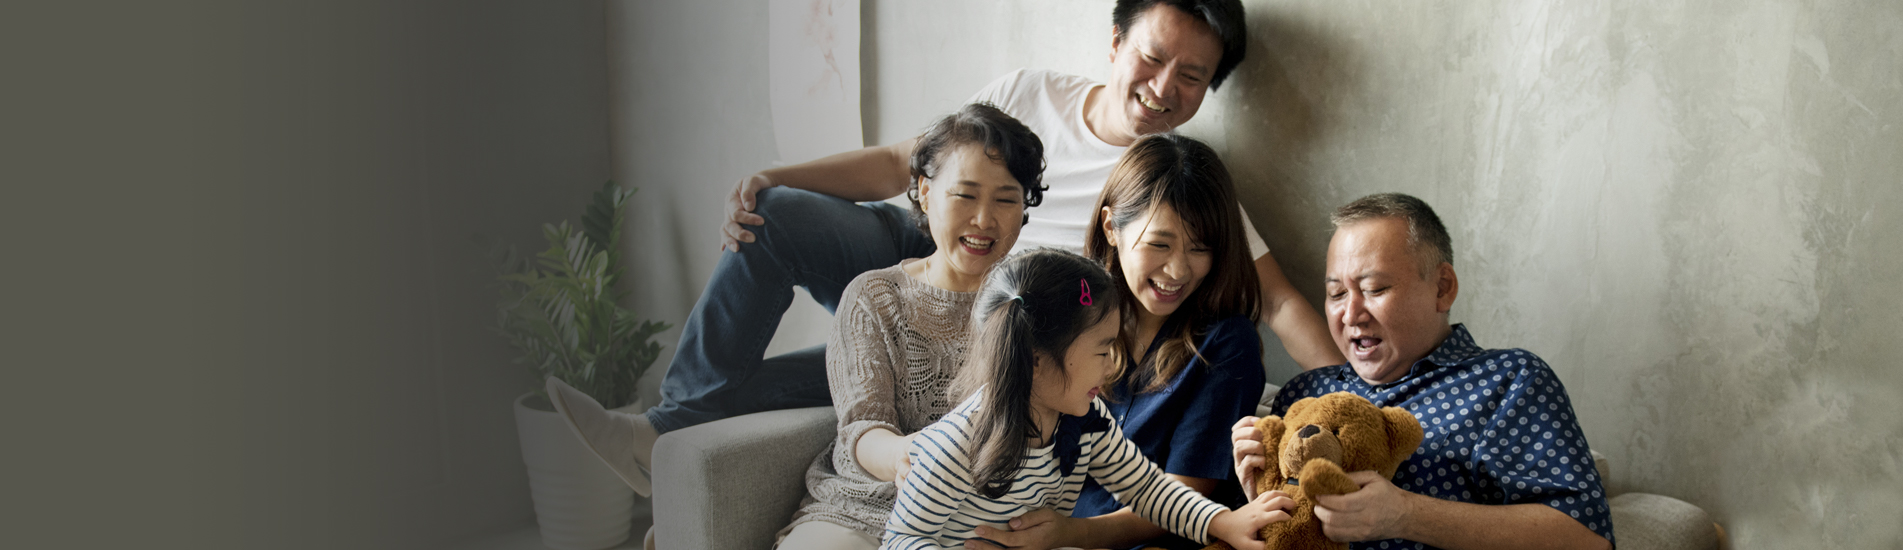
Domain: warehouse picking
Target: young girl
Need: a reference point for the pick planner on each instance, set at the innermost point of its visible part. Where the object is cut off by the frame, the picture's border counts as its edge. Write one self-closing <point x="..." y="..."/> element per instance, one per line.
<point x="1032" y="430"/>
<point x="900" y="333"/>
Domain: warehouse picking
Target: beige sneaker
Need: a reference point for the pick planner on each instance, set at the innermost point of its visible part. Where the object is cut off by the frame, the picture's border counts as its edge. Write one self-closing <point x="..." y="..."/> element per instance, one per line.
<point x="608" y="434"/>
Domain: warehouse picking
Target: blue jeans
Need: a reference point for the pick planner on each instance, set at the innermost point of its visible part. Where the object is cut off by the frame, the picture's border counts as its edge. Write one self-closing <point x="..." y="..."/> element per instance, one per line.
<point x="810" y="240"/>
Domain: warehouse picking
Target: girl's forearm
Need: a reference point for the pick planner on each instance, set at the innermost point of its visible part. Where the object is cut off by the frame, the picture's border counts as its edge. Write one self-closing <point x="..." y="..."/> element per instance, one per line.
<point x="1124" y="528"/>
<point x="879" y="451"/>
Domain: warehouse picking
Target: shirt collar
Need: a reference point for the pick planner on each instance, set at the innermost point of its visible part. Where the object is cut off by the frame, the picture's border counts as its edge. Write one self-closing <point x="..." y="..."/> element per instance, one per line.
<point x="1456" y="349"/>
<point x="1070" y="431"/>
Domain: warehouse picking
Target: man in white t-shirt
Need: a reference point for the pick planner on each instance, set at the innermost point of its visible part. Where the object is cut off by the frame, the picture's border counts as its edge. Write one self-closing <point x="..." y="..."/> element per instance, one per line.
<point x="817" y="225"/>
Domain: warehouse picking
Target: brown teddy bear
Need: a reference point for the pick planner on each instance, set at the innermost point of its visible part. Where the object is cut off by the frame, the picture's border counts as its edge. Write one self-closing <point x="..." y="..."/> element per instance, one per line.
<point x="1311" y="451"/>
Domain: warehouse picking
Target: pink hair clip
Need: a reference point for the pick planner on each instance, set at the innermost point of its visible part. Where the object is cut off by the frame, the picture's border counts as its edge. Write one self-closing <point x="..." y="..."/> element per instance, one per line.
<point x="1085" y="297"/>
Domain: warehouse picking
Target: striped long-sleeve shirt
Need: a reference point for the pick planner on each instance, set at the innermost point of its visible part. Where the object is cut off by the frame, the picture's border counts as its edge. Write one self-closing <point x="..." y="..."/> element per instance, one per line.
<point x="938" y="505"/>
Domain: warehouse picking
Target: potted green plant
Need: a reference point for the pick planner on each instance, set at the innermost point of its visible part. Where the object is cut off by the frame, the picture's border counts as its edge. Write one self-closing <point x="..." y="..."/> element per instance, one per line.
<point x="561" y="309"/>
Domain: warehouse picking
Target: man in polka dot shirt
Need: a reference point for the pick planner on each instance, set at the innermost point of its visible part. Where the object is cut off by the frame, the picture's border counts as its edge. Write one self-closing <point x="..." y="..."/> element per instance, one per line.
<point x="1504" y="464"/>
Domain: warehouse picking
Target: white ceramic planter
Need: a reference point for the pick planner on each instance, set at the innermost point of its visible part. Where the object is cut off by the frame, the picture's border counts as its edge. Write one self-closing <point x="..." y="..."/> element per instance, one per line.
<point x="579" y="503"/>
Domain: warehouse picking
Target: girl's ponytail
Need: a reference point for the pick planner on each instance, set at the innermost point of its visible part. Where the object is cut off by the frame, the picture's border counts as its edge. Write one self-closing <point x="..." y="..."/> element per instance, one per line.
<point x="1033" y="304"/>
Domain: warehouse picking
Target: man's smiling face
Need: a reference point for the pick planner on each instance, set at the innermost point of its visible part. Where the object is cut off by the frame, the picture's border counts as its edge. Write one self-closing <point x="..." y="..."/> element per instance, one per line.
<point x="1160" y="70"/>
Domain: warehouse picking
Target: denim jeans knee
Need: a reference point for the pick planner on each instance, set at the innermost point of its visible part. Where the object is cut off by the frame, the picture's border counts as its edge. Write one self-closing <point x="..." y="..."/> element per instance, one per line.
<point x="809" y="240"/>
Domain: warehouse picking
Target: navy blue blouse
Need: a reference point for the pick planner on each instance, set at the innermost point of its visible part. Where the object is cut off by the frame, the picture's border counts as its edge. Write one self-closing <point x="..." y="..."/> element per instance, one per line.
<point x="1500" y="430"/>
<point x="1184" y="427"/>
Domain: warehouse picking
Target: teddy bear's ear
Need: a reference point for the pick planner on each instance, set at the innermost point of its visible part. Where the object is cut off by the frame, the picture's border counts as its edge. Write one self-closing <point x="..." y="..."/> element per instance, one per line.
<point x="1295" y="409"/>
<point x="1272" y="429"/>
<point x="1404" y="432"/>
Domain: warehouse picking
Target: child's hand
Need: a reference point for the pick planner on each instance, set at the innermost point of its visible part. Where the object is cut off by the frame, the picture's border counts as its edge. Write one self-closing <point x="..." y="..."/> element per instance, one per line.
<point x="1242" y="527"/>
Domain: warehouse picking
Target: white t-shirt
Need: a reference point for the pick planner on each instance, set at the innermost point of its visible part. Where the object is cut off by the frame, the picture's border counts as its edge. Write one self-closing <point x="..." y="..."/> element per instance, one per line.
<point x="1076" y="162"/>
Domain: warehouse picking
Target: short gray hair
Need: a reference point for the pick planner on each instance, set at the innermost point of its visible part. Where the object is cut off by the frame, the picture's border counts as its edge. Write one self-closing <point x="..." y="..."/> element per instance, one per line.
<point x="1424" y="231"/>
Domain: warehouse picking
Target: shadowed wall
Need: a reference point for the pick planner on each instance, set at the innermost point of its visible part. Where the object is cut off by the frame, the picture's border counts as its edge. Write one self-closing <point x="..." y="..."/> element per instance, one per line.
<point x="249" y="311"/>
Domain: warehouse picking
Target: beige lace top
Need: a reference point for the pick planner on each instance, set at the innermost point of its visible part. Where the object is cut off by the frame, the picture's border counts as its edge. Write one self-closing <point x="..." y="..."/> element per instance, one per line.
<point x="895" y="346"/>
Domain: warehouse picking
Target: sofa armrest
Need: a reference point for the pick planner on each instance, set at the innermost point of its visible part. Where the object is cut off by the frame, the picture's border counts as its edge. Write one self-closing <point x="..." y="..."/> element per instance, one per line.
<point x="1645" y="521"/>
<point x="734" y="483"/>
<point x="1268" y="395"/>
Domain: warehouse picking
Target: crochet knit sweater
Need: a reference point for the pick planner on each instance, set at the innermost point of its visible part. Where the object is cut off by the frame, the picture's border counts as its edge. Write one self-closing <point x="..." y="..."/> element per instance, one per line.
<point x="896" y="345"/>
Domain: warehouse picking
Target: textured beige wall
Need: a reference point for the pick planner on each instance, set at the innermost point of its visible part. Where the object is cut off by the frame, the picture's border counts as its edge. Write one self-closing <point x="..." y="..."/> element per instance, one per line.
<point x="1689" y="209"/>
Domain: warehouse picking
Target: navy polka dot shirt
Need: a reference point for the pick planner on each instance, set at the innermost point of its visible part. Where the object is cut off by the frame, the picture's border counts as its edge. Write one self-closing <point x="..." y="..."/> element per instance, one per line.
<point x="1500" y="430"/>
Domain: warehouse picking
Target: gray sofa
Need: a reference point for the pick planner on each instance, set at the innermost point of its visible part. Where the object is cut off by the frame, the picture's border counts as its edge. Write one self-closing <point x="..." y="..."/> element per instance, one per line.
<point x="734" y="483"/>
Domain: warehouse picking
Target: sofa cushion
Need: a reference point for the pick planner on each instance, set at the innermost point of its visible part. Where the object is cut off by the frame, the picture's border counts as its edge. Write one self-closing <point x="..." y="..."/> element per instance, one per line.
<point x="1644" y="521"/>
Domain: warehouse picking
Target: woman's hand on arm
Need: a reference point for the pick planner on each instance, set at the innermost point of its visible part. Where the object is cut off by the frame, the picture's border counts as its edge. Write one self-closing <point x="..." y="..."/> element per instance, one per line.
<point x="1040" y="529"/>
<point x="874" y="173"/>
<point x="884" y="454"/>
<point x="1294" y="321"/>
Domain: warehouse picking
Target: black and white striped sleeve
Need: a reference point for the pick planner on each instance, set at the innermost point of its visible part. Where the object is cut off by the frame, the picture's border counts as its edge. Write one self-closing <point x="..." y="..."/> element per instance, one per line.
<point x="1119" y="466"/>
<point x="938" y="485"/>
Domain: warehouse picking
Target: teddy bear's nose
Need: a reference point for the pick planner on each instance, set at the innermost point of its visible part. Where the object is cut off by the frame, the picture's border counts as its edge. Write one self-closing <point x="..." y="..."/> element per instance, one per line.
<point x="1308" y="431"/>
